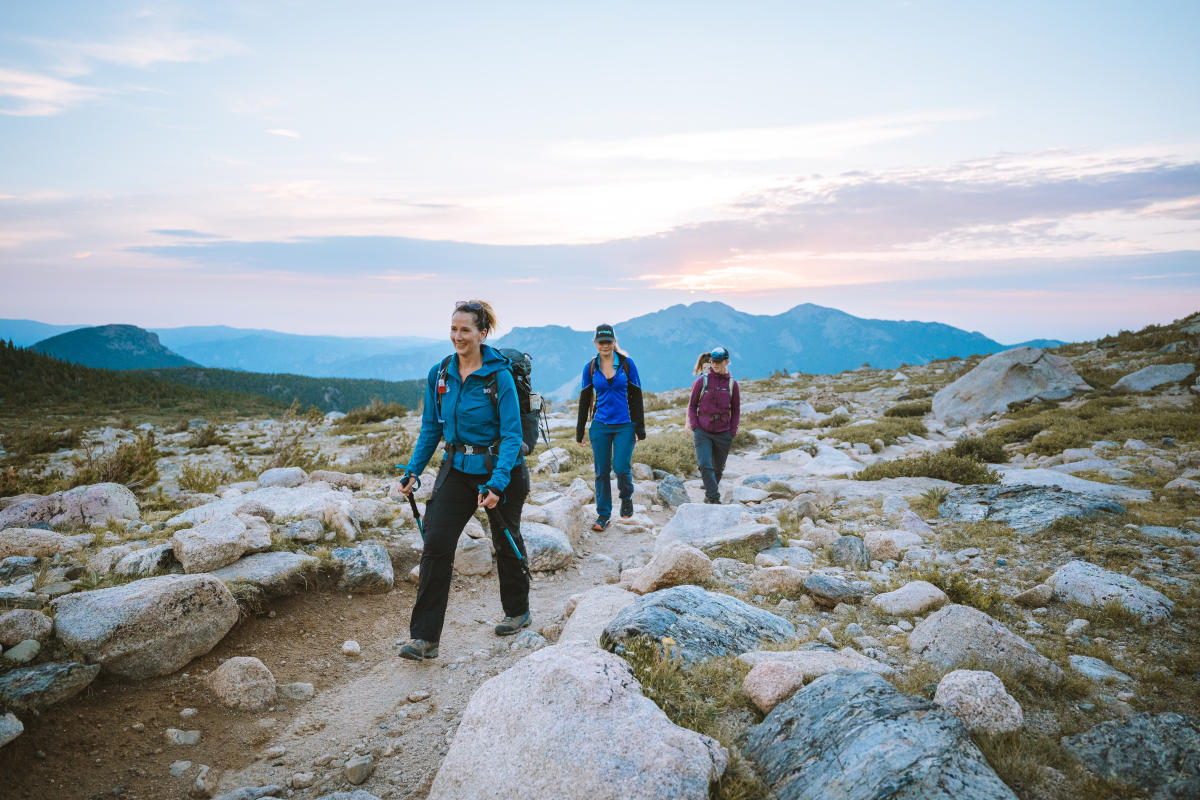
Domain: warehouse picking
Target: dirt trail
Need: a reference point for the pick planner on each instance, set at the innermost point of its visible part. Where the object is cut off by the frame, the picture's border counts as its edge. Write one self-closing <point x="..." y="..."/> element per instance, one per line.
<point x="111" y="740"/>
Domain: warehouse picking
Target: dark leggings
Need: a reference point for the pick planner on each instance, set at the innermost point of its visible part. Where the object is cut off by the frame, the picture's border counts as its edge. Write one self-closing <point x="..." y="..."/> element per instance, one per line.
<point x="446" y="515"/>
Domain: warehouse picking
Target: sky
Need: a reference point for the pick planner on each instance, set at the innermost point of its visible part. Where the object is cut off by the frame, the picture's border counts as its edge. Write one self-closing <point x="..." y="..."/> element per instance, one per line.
<point x="1024" y="169"/>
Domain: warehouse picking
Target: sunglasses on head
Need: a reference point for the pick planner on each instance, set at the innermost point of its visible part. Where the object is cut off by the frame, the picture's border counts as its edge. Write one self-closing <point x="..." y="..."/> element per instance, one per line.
<point x="469" y="306"/>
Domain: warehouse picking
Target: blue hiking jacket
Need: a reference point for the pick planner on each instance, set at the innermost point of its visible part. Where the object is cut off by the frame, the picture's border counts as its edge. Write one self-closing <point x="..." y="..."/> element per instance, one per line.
<point x="469" y="417"/>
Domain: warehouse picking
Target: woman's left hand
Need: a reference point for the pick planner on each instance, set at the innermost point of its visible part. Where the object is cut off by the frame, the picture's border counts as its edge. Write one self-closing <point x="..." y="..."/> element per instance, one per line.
<point x="490" y="501"/>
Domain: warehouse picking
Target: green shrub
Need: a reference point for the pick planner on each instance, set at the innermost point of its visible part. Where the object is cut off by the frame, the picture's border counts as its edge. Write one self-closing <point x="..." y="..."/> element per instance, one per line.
<point x="744" y="440"/>
<point x="982" y="449"/>
<point x="889" y="431"/>
<point x="964" y="590"/>
<point x="134" y="464"/>
<point x="206" y="437"/>
<point x="198" y="479"/>
<point x="836" y="420"/>
<point x="23" y="442"/>
<point x="671" y="451"/>
<point x="917" y="409"/>
<point x="945" y="466"/>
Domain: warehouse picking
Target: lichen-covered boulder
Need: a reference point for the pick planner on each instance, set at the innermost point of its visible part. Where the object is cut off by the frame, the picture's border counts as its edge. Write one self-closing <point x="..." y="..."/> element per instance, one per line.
<point x="702" y="624"/>
<point x="958" y="636"/>
<point x="853" y="736"/>
<point x="1093" y="586"/>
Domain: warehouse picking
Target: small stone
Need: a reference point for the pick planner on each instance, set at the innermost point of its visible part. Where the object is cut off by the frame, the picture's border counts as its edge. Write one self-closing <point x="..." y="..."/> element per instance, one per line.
<point x="188" y="713"/>
<point x="904" y="625"/>
<point x="358" y="769"/>
<point x="276" y="751"/>
<point x="825" y="636"/>
<point x="179" y="767"/>
<point x="1097" y="670"/>
<point x="297" y="691"/>
<point x="23" y="652"/>
<point x="302" y="780"/>
<point x="243" y="683"/>
<point x="1033" y="598"/>
<point x="183" y="738"/>
<point x="418" y="696"/>
<point x="979" y="699"/>
<point x="770" y="683"/>
<point x="351" y="648"/>
<point x="10" y="728"/>
<point x="1076" y="627"/>
<point x="206" y="782"/>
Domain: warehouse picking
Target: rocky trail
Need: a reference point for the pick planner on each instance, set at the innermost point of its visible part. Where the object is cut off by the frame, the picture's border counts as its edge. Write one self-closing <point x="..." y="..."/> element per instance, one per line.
<point x="1018" y="623"/>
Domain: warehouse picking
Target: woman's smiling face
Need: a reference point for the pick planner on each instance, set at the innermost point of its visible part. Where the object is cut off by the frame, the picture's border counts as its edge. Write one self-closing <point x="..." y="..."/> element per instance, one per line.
<point x="465" y="337"/>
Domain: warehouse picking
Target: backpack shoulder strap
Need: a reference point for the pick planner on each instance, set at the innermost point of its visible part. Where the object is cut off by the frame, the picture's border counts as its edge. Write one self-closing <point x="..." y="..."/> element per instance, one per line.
<point x="441" y="383"/>
<point x="703" y="387"/>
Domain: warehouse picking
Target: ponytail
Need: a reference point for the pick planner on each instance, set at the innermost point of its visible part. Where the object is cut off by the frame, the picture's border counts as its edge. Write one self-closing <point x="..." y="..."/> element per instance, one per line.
<point x="701" y="363"/>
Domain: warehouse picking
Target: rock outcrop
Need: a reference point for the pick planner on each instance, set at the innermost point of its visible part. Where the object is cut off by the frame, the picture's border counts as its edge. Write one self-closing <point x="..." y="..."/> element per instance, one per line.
<point x="1012" y="376"/>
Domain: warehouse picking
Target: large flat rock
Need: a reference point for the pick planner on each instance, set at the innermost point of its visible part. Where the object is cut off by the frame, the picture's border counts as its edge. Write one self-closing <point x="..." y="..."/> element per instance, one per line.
<point x="1093" y="586"/>
<point x="570" y="722"/>
<point x="711" y="527"/>
<point x="1023" y="508"/>
<point x="853" y="736"/>
<point x="703" y="624"/>
<point x="1015" y="476"/>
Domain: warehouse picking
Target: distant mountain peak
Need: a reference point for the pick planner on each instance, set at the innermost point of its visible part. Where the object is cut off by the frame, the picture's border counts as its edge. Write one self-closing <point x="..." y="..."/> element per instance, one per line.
<point x="112" y="347"/>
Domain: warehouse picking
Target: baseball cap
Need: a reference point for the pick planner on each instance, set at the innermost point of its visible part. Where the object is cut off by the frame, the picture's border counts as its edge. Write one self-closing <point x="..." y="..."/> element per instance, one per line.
<point x="604" y="333"/>
<point x="719" y="354"/>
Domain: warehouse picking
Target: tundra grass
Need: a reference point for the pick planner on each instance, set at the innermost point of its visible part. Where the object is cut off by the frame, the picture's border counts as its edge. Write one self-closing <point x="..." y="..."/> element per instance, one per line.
<point x="1100" y="418"/>
<point x="888" y="431"/>
<point x="944" y="466"/>
<point x="706" y="698"/>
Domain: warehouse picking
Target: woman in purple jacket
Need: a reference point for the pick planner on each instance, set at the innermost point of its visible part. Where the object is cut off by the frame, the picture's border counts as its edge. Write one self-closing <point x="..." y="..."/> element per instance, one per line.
<point x="713" y="415"/>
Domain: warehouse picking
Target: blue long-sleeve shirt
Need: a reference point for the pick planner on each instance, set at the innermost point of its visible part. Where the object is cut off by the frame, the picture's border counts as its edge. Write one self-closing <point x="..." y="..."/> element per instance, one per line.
<point x="470" y="417"/>
<point x="617" y="401"/>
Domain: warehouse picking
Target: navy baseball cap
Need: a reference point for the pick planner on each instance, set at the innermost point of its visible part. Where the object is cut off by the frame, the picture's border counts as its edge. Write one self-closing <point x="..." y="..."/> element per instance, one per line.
<point x="605" y="333"/>
<point x="719" y="354"/>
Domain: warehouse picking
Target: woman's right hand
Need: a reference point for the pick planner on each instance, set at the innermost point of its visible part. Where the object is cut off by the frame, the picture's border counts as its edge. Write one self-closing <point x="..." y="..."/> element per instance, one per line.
<point x="580" y="443"/>
<point x="408" y="485"/>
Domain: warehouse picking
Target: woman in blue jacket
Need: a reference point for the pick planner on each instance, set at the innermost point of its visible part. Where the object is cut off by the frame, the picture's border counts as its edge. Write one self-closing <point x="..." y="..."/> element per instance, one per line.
<point x="612" y="394"/>
<point x="471" y="404"/>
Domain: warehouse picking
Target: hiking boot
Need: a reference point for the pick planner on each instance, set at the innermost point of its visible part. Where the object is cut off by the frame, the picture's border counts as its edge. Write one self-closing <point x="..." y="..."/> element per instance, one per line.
<point x="510" y="625"/>
<point x="712" y="501"/>
<point x="627" y="508"/>
<point x="600" y="524"/>
<point x="419" y="650"/>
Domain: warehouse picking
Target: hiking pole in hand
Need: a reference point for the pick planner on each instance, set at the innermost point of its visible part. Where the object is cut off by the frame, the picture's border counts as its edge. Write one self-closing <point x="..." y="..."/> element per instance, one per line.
<point x="493" y="515"/>
<point x="412" y="501"/>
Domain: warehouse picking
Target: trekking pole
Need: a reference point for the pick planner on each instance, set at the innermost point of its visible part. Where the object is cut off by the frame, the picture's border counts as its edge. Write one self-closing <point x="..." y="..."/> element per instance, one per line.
<point x="492" y="514"/>
<point x="412" y="501"/>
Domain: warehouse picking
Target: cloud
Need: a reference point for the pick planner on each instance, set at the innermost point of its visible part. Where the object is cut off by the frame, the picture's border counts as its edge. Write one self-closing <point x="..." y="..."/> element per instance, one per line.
<point x="28" y="94"/>
<point x="139" y="52"/>
<point x="185" y="233"/>
<point x="284" y="132"/>
<point x="820" y="140"/>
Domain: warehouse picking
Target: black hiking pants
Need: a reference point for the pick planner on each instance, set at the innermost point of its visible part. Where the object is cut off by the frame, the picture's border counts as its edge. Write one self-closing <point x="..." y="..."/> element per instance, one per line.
<point x="712" y="451"/>
<point x="446" y="514"/>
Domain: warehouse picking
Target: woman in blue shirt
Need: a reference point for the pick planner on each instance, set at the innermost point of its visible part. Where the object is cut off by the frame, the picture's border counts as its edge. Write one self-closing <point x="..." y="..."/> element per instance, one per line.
<point x="612" y="394"/>
<point x="471" y="404"/>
